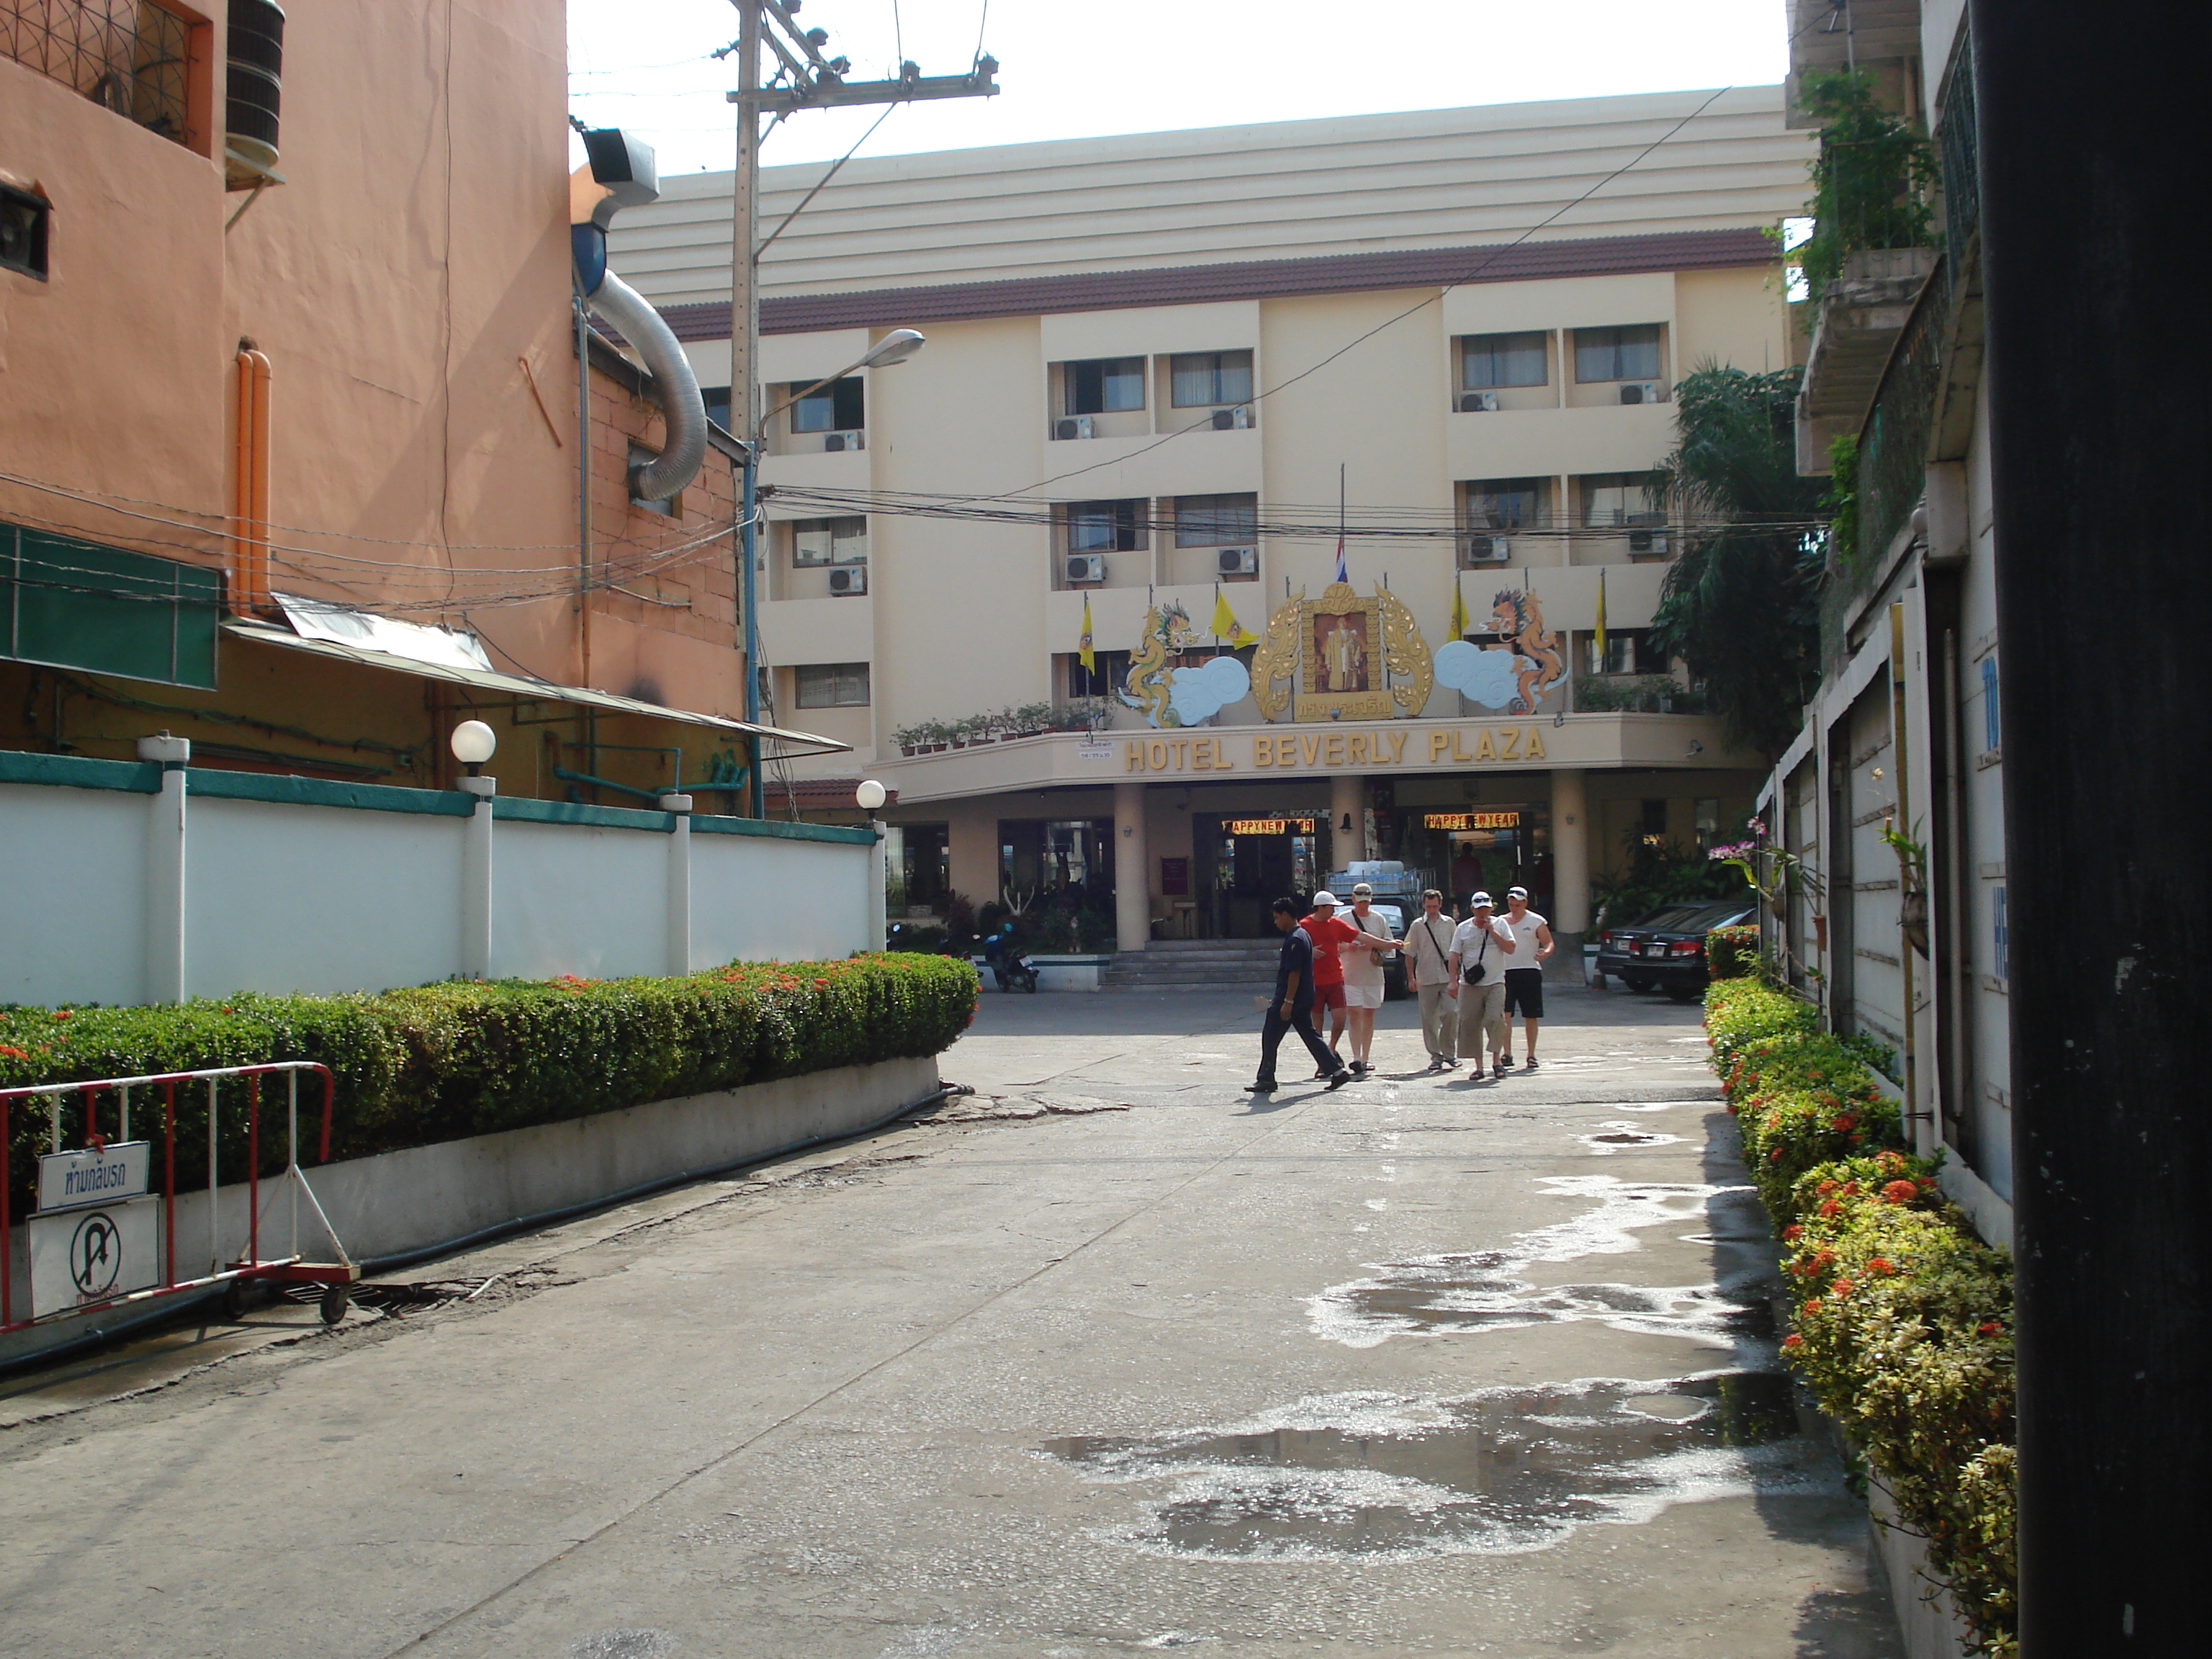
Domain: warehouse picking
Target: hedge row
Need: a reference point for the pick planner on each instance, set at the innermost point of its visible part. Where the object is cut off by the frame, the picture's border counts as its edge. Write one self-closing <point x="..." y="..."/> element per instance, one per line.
<point x="468" y="1057"/>
<point x="1732" y="952"/>
<point x="1902" y="1319"/>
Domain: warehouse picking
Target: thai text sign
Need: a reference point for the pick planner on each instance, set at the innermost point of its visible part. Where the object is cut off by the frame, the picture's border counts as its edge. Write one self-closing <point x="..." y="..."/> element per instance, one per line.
<point x="94" y="1174"/>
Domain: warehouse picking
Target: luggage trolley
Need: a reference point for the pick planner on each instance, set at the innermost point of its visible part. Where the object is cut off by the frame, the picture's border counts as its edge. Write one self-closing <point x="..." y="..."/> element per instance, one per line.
<point x="95" y="1195"/>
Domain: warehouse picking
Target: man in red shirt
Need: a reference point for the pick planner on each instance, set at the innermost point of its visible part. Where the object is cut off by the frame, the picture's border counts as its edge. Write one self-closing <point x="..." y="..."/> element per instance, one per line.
<point x="1329" y="935"/>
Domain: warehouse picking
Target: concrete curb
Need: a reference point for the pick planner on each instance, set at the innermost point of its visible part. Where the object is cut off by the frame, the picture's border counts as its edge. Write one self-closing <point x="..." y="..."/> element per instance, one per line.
<point x="400" y="1207"/>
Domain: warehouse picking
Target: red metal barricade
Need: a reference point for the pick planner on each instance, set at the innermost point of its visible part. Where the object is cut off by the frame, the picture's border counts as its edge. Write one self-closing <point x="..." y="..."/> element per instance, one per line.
<point x="335" y="1276"/>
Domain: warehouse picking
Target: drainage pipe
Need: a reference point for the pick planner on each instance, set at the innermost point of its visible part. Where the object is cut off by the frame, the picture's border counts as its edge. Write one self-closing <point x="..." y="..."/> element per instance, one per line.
<point x="682" y="407"/>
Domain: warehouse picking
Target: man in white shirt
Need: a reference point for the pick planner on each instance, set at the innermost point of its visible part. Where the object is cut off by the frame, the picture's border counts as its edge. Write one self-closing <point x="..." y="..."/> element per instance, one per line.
<point x="1428" y="965"/>
<point x="1524" y="979"/>
<point x="1481" y="949"/>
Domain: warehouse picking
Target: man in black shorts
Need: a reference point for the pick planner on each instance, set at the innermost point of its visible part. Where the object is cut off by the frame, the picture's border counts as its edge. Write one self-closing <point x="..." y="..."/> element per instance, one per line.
<point x="1524" y="986"/>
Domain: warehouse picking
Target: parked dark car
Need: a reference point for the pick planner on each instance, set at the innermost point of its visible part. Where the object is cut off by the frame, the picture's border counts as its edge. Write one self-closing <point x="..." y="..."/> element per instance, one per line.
<point x="1667" y="948"/>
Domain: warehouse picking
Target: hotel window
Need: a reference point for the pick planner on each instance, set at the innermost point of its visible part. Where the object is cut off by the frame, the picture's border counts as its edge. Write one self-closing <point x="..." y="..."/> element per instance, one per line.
<point x="832" y="685"/>
<point x="1489" y="361"/>
<point x="1217" y="520"/>
<point x="1617" y="354"/>
<point x="1100" y="682"/>
<point x="1504" y="503"/>
<point x="1613" y="501"/>
<point x="841" y="406"/>
<point x="1992" y="725"/>
<point x="1197" y="378"/>
<point x="1106" y="526"/>
<point x="828" y="541"/>
<point x="1103" y="386"/>
<point x="1630" y="651"/>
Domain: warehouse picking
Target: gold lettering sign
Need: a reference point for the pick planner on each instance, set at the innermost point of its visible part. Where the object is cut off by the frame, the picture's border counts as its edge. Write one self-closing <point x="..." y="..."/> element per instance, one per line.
<point x="1336" y="750"/>
<point x="1267" y="827"/>
<point x="1471" y="820"/>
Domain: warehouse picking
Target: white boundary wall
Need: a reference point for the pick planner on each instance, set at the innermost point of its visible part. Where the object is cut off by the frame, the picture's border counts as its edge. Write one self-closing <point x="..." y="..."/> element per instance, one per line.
<point x="136" y="883"/>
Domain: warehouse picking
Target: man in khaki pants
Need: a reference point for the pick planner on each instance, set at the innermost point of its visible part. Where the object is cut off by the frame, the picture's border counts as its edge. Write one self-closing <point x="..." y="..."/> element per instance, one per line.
<point x="1480" y="952"/>
<point x="1428" y="965"/>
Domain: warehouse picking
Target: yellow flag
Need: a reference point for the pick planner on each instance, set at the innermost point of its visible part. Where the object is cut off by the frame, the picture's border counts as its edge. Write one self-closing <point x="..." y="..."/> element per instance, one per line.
<point x="1225" y="626"/>
<point x="1459" y="611"/>
<point x="1083" y="653"/>
<point x="1599" y="666"/>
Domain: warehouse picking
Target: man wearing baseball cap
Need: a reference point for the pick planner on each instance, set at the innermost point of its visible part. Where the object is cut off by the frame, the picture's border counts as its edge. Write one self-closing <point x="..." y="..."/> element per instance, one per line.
<point x="1524" y="979"/>
<point x="1480" y="949"/>
<point x="1330" y="933"/>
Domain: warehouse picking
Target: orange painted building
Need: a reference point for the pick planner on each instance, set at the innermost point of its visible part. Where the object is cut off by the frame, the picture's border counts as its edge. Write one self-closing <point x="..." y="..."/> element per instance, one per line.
<point x="289" y="433"/>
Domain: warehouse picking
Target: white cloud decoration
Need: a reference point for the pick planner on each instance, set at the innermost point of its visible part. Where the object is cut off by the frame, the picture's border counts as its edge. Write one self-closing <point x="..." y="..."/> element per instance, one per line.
<point x="1197" y="694"/>
<point x="1485" y="676"/>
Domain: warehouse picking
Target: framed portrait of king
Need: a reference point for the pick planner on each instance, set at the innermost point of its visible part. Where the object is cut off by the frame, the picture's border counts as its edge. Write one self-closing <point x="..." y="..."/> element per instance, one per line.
<point x="1341" y="659"/>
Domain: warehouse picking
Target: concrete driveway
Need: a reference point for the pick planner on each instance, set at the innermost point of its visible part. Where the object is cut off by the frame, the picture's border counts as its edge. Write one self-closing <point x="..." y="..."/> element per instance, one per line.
<point x="1108" y="1358"/>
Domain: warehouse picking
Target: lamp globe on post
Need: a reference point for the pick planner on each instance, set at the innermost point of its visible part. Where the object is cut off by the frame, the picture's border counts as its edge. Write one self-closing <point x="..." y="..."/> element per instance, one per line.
<point x="474" y="743"/>
<point x="870" y="795"/>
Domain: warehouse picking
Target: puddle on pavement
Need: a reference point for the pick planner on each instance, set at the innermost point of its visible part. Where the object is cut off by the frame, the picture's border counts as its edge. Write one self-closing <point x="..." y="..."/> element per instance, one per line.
<point x="1610" y="1138"/>
<point x="1498" y="1290"/>
<point x="1503" y="1471"/>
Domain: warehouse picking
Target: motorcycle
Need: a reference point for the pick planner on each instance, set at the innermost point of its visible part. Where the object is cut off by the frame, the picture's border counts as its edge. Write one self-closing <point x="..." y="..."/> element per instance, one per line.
<point x="1009" y="964"/>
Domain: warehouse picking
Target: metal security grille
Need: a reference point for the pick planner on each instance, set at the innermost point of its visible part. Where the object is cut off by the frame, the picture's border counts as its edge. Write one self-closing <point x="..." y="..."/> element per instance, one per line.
<point x="130" y="56"/>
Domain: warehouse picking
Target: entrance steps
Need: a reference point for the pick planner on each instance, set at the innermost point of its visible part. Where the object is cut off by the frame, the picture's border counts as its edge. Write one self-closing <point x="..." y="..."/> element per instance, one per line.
<point x="1248" y="962"/>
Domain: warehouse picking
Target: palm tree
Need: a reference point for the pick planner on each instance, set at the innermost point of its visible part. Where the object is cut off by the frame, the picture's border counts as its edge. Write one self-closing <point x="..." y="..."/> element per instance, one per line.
<point x="1741" y="605"/>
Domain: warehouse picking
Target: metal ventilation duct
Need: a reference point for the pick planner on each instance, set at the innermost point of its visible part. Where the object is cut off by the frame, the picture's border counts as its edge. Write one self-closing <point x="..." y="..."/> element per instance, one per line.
<point x="252" y="91"/>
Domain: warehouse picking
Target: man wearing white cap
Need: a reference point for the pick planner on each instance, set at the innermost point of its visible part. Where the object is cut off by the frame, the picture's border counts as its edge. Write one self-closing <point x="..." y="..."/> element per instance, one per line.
<point x="1480" y="950"/>
<point x="1524" y="979"/>
<point x="1330" y="934"/>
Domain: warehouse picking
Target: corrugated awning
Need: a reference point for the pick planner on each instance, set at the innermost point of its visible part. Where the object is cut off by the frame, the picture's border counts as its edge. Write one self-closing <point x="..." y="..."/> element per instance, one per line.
<point x="518" y="685"/>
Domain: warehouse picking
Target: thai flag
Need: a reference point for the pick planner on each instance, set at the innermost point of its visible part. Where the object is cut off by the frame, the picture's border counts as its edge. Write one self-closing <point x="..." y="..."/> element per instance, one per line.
<point x="1342" y="574"/>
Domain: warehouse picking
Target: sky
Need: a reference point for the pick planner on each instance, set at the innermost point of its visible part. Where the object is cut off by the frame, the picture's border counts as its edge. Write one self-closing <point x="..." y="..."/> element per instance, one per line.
<point x="1072" y="70"/>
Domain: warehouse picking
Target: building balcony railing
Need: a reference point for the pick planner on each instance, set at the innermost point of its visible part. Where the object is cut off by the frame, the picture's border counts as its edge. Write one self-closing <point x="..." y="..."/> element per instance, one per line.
<point x="132" y="56"/>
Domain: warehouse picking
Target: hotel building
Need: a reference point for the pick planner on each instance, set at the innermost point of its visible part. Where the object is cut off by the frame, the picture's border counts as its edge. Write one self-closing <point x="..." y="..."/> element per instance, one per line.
<point x="1162" y="371"/>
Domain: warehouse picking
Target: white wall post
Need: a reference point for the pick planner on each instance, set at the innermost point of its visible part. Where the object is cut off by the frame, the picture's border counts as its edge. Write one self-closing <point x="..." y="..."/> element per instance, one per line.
<point x="679" y="883"/>
<point x="165" y="869"/>
<point x="1132" y="869"/>
<point x="476" y="881"/>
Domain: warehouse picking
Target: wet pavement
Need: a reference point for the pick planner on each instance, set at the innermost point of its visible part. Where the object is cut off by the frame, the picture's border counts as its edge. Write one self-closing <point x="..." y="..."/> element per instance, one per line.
<point x="1106" y="1358"/>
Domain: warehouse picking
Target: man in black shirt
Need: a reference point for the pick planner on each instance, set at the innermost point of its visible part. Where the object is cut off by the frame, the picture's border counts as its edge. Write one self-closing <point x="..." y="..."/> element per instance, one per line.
<point x="1291" y="1009"/>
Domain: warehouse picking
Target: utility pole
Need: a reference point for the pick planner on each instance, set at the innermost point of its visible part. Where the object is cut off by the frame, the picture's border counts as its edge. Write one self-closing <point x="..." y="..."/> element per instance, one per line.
<point x="804" y="79"/>
<point x="2099" y="430"/>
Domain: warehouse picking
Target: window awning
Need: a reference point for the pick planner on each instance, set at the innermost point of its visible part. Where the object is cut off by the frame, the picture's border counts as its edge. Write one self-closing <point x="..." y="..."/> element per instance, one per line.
<point x="520" y="685"/>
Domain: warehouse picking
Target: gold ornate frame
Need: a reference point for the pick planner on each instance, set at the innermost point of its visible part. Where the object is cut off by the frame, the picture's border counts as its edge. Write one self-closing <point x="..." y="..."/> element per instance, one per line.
<point x="1393" y="637"/>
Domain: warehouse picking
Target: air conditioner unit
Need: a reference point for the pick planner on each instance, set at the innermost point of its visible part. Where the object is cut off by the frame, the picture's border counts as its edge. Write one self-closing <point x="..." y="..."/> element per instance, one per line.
<point x="834" y="442"/>
<point x="1488" y="550"/>
<point x="1239" y="419"/>
<point x="1478" y="403"/>
<point x="1647" y="541"/>
<point x="1642" y="392"/>
<point x="1236" y="561"/>
<point x="1085" y="568"/>
<point x="1071" y="426"/>
<point x="849" y="578"/>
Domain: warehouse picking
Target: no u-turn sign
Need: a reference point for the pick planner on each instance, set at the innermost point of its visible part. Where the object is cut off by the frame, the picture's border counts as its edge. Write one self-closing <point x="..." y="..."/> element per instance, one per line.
<point x="93" y="1254"/>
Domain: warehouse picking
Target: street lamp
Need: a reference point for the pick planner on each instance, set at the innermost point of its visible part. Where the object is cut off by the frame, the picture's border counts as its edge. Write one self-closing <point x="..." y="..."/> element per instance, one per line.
<point x="869" y="795"/>
<point x="474" y="743"/>
<point x="893" y="347"/>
